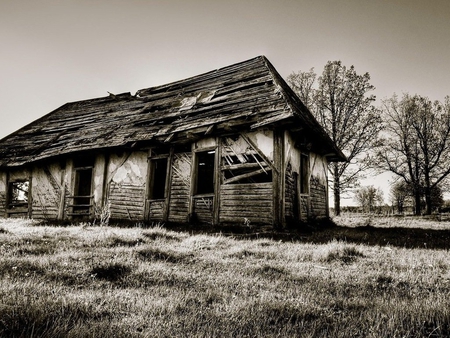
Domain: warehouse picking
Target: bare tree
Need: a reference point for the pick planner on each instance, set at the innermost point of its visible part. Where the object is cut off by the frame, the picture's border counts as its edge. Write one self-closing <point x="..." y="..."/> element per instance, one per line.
<point x="416" y="144"/>
<point x="340" y="101"/>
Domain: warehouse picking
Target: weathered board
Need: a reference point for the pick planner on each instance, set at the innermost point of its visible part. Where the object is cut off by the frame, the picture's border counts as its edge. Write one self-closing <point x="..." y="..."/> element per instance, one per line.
<point x="127" y="201"/>
<point x="46" y="192"/>
<point x="203" y="209"/>
<point x="180" y="187"/>
<point x="156" y="210"/>
<point x="318" y="193"/>
<point x="253" y="201"/>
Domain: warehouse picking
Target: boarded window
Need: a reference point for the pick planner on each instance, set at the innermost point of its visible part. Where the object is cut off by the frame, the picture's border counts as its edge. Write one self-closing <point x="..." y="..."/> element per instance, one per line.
<point x="304" y="174"/>
<point x="205" y="172"/>
<point x="18" y="194"/>
<point x="158" y="178"/>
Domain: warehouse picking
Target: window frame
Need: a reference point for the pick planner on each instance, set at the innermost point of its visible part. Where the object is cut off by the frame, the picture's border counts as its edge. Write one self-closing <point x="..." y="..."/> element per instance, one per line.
<point x="212" y="152"/>
<point x="151" y="177"/>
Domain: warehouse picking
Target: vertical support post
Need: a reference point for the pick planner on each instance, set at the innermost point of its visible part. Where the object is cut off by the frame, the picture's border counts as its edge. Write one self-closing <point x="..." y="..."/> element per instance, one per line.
<point x="217" y="181"/>
<point x="62" y="194"/>
<point x="193" y="186"/>
<point x="168" y="185"/>
<point x="278" y="178"/>
<point x="30" y="193"/>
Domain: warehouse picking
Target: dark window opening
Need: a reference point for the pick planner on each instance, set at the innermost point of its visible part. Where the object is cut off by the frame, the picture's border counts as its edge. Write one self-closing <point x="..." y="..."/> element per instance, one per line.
<point x="82" y="192"/>
<point x="304" y="174"/>
<point x="205" y="172"/>
<point x="158" y="177"/>
<point x="18" y="194"/>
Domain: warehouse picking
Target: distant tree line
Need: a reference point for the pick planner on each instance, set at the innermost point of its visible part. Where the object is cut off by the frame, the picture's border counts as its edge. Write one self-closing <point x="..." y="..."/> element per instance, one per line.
<point x="408" y="136"/>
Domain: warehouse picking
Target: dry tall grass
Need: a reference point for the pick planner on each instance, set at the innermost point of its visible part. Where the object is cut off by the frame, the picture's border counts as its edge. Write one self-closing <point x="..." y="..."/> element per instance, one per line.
<point x="113" y="282"/>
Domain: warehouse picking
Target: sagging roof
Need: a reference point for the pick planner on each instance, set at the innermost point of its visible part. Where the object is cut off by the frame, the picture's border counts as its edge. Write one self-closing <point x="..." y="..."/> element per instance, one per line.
<point x="246" y="95"/>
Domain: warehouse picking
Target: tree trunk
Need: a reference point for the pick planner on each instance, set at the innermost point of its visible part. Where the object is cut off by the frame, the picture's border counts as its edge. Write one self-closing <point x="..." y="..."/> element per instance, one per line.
<point x="336" y="190"/>
<point x="428" y="200"/>
<point x="417" y="201"/>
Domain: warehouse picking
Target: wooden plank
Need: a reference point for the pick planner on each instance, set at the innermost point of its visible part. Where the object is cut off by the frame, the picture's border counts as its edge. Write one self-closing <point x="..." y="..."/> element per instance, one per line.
<point x="247" y="186"/>
<point x="243" y="166"/>
<point x="246" y="175"/>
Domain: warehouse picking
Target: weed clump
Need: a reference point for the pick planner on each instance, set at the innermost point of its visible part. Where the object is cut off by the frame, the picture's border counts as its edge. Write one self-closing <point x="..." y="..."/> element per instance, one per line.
<point x="342" y="253"/>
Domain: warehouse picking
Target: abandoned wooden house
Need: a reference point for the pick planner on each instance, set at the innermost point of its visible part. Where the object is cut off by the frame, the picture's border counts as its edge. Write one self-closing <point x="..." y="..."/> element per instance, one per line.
<point x="231" y="146"/>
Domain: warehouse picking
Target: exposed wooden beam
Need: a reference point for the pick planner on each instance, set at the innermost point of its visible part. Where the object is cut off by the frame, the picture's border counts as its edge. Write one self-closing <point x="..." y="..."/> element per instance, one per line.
<point x="247" y="175"/>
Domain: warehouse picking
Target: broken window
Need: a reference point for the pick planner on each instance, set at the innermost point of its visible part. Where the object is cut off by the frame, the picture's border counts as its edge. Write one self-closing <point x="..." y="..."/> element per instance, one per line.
<point x="304" y="174"/>
<point x="205" y="172"/>
<point x="244" y="163"/>
<point x="18" y="194"/>
<point x="158" y="178"/>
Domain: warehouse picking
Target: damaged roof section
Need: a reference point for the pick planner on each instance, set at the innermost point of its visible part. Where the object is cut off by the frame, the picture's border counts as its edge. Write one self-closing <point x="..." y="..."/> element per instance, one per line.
<point x="246" y="95"/>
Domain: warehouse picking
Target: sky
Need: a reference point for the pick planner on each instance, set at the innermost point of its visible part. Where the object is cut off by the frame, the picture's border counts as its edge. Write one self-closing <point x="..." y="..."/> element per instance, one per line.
<point x="58" y="51"/>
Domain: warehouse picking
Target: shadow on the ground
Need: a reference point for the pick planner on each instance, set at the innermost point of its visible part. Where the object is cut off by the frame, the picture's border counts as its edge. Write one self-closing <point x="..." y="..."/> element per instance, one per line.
<point x="396" y="237"/>
<point x="328" y="231"/>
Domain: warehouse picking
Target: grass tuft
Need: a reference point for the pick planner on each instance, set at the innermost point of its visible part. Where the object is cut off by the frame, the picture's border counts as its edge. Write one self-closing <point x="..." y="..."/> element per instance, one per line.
<point x="155" y="254"/>
<point x="114" y="241"/>
<point x="110" y="272"/>
<point x="342" y="253"/>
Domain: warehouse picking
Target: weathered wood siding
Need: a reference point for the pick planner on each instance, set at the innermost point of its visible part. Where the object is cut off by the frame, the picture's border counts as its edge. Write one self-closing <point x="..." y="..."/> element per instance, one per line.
<point x="291" y="193"/>
<point x="127" y="201"/>
<point x="253" y="201"/>
<point x="156" y="210"/>
<point x="3" y="193"/>
<point x="203" y="209"/>
<point x="126" y="181"/>
<point x="318" y="197"/>
<point x="46" y="191"/>
<point x="180" y="187"/>
<point x="318" y="186"/>
<point x="304" y="207"/>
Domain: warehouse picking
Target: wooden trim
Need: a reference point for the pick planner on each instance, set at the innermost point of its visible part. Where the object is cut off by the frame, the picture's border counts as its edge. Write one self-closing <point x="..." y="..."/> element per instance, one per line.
<point x="278" y="178"/>
<point x="30" y="194"/>
<point x="168" y="184"/>
<point x="217" y="182"/>
<point x="193" y="187"/>
<point x="243" y="166"/>
<point x="84" y="168"/>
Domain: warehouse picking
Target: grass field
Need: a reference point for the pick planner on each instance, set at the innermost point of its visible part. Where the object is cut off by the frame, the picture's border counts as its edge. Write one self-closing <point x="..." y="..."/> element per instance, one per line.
<point x="133" y="282"/>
